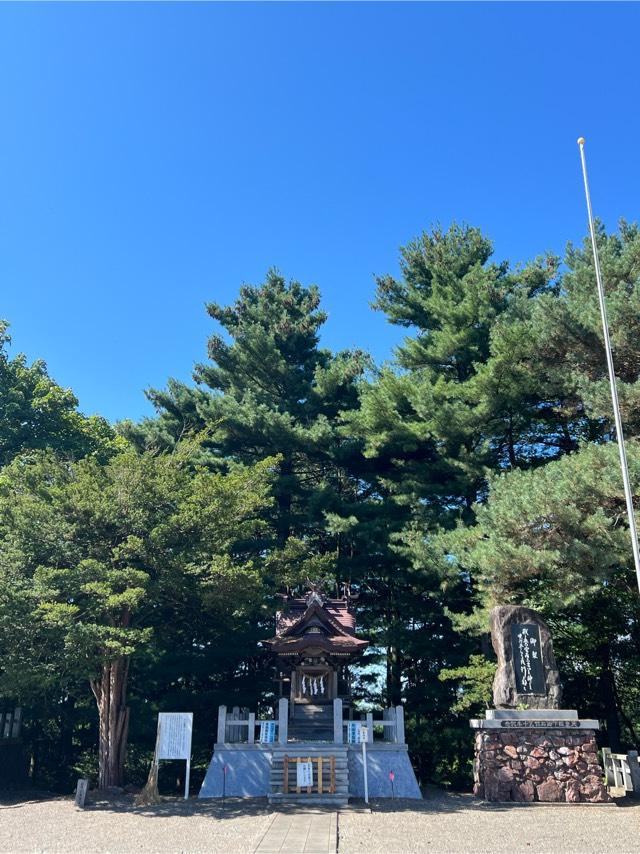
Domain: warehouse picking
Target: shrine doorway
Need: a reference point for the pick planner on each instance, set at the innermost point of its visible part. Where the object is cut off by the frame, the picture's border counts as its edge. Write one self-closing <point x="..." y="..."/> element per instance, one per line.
<point x="314" y="684"/>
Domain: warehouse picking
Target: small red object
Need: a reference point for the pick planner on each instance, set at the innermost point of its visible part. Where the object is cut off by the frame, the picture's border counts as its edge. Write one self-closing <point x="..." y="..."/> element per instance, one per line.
<point x="224" y="769"/>
<point x="392" y="776"/>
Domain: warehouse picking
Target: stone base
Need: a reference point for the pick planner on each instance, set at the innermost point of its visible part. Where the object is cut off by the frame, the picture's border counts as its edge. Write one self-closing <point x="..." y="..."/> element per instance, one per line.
<point x="552" y="765"/>
<point x="244" y="770"/>
<point x="380" y="762"/>
<point x="235" y="772"/>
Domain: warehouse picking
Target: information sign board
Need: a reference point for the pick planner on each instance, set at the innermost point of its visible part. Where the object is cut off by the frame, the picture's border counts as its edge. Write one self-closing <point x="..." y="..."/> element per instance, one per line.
<point x="174" y="740"/>
<point x="267" y="732"/>
<point x="175" y="730"/>
<point x="304" y="774"/>
<point x="353" y="732"/>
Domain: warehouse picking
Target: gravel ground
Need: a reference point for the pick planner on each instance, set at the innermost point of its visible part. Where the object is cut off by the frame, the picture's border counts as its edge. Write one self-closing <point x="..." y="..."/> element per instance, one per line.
<point x="441" y="824"/>
<point x="117" y="827"/>
<point x="452" y="824"/>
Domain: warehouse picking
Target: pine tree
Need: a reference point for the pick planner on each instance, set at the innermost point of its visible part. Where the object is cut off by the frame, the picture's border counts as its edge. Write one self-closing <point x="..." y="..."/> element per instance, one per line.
<point x="271" y="390"/>
<point x="556" y="539"/>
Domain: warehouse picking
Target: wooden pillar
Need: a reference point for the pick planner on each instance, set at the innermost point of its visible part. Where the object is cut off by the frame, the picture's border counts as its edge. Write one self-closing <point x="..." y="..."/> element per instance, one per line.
<point x="222" y="719"/>
<point x="17" y="720"/>
<point x="400" y="724"/>
<point x="235" y="715"/>
<point x="252" y="728"/>
<point x="338" y="732"/>
<point x="369" y="727"/>
<point x="283" y="720"/>
<point x="388" y="715"/>
<point x="634" y="768"/>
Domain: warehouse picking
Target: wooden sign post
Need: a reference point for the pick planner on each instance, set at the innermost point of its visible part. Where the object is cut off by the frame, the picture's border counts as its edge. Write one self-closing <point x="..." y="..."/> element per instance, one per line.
<point x="364" y="735"/>
<point x="357" y="733"/>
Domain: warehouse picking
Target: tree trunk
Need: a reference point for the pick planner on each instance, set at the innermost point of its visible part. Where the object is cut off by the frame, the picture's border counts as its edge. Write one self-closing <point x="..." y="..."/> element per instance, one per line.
<point x="284" y="501"/>
<point x="607" y="691"/>
<point x="394" y="657"/>
<point x="110" y="692"/>
<point x="394" y="676"/>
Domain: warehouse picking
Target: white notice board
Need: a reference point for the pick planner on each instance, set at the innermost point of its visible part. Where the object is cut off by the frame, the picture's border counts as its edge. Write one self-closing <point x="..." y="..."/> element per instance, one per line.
<point x="174" y="735"/>
<point x="304" y="774"/>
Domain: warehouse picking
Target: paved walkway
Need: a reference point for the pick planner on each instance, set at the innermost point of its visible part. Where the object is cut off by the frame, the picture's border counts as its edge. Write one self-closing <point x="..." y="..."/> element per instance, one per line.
<point x="296" y="832"/>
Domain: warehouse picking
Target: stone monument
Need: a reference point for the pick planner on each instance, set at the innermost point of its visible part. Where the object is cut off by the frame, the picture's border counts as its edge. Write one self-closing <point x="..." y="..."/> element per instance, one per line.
<point x="528" y="748"/>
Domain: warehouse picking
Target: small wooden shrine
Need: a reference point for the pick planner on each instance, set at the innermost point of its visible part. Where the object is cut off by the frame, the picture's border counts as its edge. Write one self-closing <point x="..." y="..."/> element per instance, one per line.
<point x="314" y="643"/>
<point x="313" y="720"/>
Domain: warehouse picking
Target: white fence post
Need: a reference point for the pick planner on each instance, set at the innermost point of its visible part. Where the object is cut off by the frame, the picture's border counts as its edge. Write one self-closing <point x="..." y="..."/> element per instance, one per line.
<point x="338" y="735"/>
<point x="222" y="720"/>
<point x="634" y="770"/>
<point x="283" y="720"/>
<point x="400" y="724"/>
<point x="252" y="728"/>
<point x="389" y="715"/>
<point x="369" y="727"/>
<point x="234" y="732"/>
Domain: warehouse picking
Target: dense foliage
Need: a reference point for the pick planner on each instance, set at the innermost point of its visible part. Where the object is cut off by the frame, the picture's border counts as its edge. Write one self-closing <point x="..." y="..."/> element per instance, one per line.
<point x="140" y="565"/>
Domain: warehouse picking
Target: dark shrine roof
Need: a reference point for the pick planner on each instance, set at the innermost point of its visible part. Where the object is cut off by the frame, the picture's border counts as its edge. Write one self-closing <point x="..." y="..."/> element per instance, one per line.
<point x="315" y="624"/>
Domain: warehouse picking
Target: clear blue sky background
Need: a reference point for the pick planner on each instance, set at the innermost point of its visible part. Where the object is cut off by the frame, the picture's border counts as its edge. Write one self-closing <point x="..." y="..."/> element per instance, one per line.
<point x="154" y="157"/>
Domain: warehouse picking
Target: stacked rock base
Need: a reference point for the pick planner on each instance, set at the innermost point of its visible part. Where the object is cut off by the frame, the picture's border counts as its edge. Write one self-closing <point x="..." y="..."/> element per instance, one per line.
<point x="549" y="765"/>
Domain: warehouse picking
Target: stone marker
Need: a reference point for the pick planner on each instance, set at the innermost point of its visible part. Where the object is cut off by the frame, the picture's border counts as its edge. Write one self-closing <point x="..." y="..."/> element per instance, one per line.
<point x="81" y="791"/>
<point x="528" y="748"/>
<point x="527" y="673"/>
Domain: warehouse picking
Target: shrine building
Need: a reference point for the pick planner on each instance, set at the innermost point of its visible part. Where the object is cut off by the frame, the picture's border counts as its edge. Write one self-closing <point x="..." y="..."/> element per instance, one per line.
<point x="314" y="723"/>
<point x="314" y="644"/>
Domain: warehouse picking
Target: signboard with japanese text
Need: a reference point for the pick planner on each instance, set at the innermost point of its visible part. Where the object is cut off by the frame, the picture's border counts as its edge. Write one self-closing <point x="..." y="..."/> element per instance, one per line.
<point x="353" y="732"/>
<point x="174" y="737"/>
<point x="267" y="732"/>
<point x="527" y="658"/>
<point x="304" y="774"/>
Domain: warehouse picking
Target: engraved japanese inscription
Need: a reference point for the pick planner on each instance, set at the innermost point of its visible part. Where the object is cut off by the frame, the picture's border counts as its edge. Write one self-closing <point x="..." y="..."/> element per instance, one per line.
<point x="527" y="658"/>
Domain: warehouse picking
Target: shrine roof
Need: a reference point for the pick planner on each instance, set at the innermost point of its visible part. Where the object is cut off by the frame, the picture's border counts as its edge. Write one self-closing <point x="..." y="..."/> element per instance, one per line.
<point x="338" y="609"/>
<point x="316" y="623"/>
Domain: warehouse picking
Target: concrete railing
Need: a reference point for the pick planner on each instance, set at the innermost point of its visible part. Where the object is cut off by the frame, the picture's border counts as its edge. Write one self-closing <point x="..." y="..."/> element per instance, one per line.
<point x="622" y="771"/>
<point x="231" y="725"/>
<point x="392" y="724"/>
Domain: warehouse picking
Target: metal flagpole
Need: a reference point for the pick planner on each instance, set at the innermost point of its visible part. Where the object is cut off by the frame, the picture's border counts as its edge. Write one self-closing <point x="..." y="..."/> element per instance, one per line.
<point x="612" y="376"/>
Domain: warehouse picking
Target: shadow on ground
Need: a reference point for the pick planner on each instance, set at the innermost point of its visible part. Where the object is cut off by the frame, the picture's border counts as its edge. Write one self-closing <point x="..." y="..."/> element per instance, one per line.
<point x="124" y="803"/>
<point x="434" y="801"/>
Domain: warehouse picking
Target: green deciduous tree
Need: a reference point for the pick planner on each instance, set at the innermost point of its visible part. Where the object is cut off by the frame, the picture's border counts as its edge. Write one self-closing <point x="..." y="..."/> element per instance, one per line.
<point x="36" y="413"/>
<point x="93" y="553"/>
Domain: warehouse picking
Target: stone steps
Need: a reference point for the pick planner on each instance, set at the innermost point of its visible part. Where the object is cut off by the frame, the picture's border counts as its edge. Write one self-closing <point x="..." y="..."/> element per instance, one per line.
<point x="311" y="722"/>
<point x="336" y="801"/>
<point x="312" y="750"/>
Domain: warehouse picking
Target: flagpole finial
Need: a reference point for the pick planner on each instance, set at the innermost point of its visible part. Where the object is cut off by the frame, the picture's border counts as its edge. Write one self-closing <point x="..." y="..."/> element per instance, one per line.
<point x="581" y="140"/>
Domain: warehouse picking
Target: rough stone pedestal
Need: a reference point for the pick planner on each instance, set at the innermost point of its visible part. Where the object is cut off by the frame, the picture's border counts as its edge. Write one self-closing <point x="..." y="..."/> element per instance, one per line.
<point x="516" y="762"/>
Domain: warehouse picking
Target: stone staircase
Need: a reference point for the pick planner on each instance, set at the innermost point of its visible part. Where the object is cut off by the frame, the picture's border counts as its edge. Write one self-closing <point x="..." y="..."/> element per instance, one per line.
<point x="339" y="798"/>
<point x="311" y="722"/>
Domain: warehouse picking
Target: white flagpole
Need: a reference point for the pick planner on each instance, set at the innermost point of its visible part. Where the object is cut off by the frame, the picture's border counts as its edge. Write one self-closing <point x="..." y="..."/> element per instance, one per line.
<point x="612" y="376"/>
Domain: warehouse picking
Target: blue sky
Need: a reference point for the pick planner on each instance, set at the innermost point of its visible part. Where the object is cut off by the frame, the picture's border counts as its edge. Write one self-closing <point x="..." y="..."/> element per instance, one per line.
<point x="154" y="157"/>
